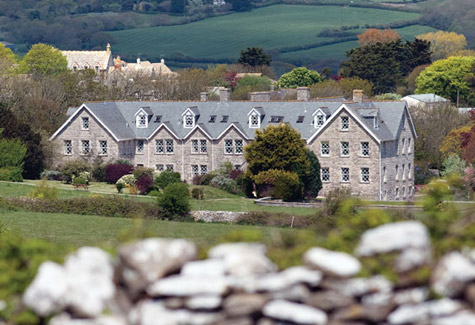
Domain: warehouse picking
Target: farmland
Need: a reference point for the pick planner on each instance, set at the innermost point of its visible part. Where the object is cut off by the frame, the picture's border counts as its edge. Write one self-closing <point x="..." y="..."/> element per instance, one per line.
<point x="273" y="27"/>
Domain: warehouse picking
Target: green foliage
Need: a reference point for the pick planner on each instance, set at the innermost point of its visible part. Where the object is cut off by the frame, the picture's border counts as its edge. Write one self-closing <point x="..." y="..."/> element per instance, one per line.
<point x="389" y="96"/>
<point x="44" y="191"/>
<point x="197" y="193"/>
<point x="12" y="153"/>
<point x="334" y="200"/>
<point x="128" y="179"/>
<point x="249" y="84"/>
<point x="177" y="6"/>
<point x="166" y="178"/>
<point x="312" y="181"/>
<point x="10" y="174"/>
<point x="7" y="59"/>
<point x="74" y="168"/>
<point x="241" y="5"/>
<point x="143" y="171"/>
<point x="225" y="183"/>
<point x="299" y="77"/>
<point x="453" y="165"/>
<point x="79" y="181"/>
<point x="119" y="187"/>
<point x="174" y="201"/>
<point x="446" y="78"/>
<point x="44" y="59"/>
<point x="284" y="185"/>
<point x="254" y="56"/>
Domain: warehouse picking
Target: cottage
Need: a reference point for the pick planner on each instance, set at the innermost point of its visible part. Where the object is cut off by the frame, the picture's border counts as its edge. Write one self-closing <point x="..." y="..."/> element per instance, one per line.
<point x="99" y="61"/>
<point x="365" y="145"/>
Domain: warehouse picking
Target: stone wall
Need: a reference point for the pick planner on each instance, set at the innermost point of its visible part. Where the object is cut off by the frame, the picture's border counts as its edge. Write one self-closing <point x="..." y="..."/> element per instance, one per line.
<point x="217" y="216"/>
<point x="160" y="281"/>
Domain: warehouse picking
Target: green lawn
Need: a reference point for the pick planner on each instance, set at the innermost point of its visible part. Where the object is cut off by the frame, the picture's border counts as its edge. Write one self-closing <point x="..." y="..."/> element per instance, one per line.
<point x="269" y="27"/>
<point x="79" y="230"/>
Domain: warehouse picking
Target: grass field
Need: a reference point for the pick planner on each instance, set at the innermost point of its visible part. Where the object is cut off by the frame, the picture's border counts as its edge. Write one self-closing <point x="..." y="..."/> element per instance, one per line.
<point x="270" y="27"/>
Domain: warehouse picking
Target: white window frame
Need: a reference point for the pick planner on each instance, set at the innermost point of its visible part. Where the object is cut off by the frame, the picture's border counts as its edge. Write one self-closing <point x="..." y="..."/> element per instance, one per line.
<point x="103" y="148"/>
<point x="141" y="121"/>
<point x="397" y="193"/>
<point x="345" y="174"/>
<point x="403" y="146"/>
<point x="254" y="120"/>
<point x="85" y="149"/>
<point x="140" y="147"/>
<point x="169" y="146"/>
<point x="344" y="149"/>
<point x="409" y="151"/>
<point x="238" y="146"/>
<point x="228" y="144"/>
<point x="188" y="120"/>
<point x="68" y="147"/>
<point x="409" y="171"/>
<point x="159" y="147"/>
<point x="397" y="172"/>
<point x="85" y="123"/>
<point x="319" y="120"/>
<point x="344" y="123"/>
<point x="325" y="175"/>
<point x="322" y="145"/>
<point x="364" y="149"/>
<point x="364" y="173"/>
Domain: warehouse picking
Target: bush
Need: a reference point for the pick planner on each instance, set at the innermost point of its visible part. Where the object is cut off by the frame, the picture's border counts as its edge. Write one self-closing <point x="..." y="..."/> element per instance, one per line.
<point x="235" y="174"/>
<point x="113" y="172"/>
<point x="453" y="165"/>
<point x="144" y="184"/>
<point x="11" y="174"/>
<point x="119" y="187"/>
<point x="141" y="171"/>
<point x="73" y="168"/>
<point x="123" y="162"/>
<point x="128" y="179"/>
<point x="334" y="200"/>
<point x="79" y="181"/>
<point x="203" y="179"/>
<point x="284" y="185"/>
<point x="44" y="191"/>
<point x="166" y="178"/>
<point x="197" y="193"/>
<point x="174" y="201"/>
<point x="99" y="173"/>
<point x="52" y="175"/>
<point x="224" y="183"/>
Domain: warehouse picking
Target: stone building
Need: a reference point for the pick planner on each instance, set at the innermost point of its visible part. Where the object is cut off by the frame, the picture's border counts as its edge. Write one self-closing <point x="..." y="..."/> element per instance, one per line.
<point x="99" y="61"/>
<point x="365" y="145"/>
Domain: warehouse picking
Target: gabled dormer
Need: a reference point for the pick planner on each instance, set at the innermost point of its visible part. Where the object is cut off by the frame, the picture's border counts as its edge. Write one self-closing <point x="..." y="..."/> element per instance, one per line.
<point x="190" y="116"/>
<point x="142" y="117"/>
<point x="255" y="117"/>
<point x="319" y="117"/>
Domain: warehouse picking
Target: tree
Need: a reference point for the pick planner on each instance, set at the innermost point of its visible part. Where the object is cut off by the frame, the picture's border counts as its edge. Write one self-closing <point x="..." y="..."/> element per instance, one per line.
<point x="178" y="6"/>
<point x="299" y="77"/>
<point x="443" y="44"/>
<point x="373" y="36"/>
<point x="447" y="78"/>
<point x="241" y="5"/>
<point x="12" y="155"/>
<point x="249" y="84"/>
<point x="44" y="59"/>
<point x="166" y="178"/>
<point x="312" y="181"/>
<point x="453" y="165"/>
<point x="174" y="201"/>
<point x="254" y="57"/>
<point x="452" y="142"/>
<point x="7" y="59"/>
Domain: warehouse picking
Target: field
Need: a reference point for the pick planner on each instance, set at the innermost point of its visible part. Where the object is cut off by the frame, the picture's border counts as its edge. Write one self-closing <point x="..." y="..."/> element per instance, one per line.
<point x="271" y="27"/>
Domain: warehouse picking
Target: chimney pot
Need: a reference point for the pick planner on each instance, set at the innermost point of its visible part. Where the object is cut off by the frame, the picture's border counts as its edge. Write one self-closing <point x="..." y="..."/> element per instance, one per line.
<point x="303" y="94"/>
<point x="204" y="96"/>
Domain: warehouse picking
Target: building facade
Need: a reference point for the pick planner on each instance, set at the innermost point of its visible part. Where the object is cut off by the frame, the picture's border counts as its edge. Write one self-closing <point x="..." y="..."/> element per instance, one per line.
<point x="367" y="146"/>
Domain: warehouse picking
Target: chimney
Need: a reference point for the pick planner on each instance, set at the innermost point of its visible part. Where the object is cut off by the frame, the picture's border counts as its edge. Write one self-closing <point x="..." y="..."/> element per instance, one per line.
<point x="138" y="60"/>
<point x="108" y="48"/>
<point x="204" y="96"/>
<point x="162" y="61"/>
<point x="303" y="94"/>
<point x="262" y="96"/>
<point x="357" y="95"/>
<point x="224" y="94"/>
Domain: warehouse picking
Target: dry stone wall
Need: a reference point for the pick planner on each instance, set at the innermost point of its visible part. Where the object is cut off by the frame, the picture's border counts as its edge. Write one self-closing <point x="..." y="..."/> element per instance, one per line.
<point x="159" y="281"/>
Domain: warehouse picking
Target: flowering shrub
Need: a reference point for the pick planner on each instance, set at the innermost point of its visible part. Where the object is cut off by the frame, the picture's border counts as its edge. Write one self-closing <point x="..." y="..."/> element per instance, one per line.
<point x="128" y="179"/>
<point x="115" y="171"/>
<point x="144" y="184"/>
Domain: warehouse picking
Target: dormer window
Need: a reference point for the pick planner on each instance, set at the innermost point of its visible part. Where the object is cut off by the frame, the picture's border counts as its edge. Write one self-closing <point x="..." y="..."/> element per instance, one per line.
<point x="158" y="119"/>
<point x="188" y="120"/>
<point x="319" y="118"/>
<point x="254" y="120"/>
<point x="141" y="121"/>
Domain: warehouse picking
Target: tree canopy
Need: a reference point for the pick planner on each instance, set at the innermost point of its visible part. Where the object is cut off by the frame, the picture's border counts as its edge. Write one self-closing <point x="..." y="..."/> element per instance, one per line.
<point x="254" y="57"/>
<point x="44" y="59"/>
<point x="7" y="59"/>
<point x="373" y="36"/>
<point x="241" y="5"/>
<point x="443" y="44"/>
<point x="299" y="77"/>
<point x="448" y="78"/>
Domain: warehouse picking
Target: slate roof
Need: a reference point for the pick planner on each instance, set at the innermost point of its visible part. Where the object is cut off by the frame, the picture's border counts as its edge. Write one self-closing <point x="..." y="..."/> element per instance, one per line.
<point x="88" y="59"/>
<point x="428" y="98"/>
<point x="119" y="117"/>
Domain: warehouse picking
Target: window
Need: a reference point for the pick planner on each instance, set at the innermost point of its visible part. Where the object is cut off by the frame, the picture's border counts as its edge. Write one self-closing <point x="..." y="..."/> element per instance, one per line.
<point x="68" y="147"/>
<point x="385" y="178"/>
<point x="409" y="146"/>
<point x="194" y="146"/>
<point x="194" y="170"/>
<point x="365" y="149"/>
<point x="170" y="167"/>
<point x="403" y="192"/>
<point x="225" y="119"/>
<point x="158" y="119"/>
<point x="397" y="193"/>
<point x="325" y="173"/>
<point x="102" y="147"/>
<point x="403" y="170"/>
<point x="228" y="146"/>
<point x="140" y="146"/>
<point x="397" y="172"/>
<point x="254" y="120"/>
<point x="325" y="149"/>
<point x="403" y="146"/>
<point x="85" y="123"/>
<point x="365" y="175"/>
<point x="300" y="119"/>
<point x="345" y="123"/>
<point x="203" y="146"/>
<point x="345" y="174"/>
<point x="319" y="120"/>
<point x="345" y="149"/>
<point x="238" y="144"/>
<point x="189" y="120"/>
<point x="409" y="171"/>
<point x="86" y="148"/>
<point x="169" y="146"/>
<point x="141" y="121"/>
<point x="159" y="146"/>
<point x="212" y="119"/>
<point x="203" y="169"/>
<point x="159" y="167"/>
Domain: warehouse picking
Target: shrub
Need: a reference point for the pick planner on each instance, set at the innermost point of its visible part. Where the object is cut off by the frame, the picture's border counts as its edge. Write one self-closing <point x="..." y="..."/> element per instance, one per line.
<point x="334" y="200"/>
<point x="174" y="201"/>
<point x="52" y="175"/>
<point x="123" y="162"/>
<point x="144" y="184"/>
<point x="235" y="173"/>
<point x="44" y="191"/>
<point x="98" y="173"/>
<point x="284" y="185"/>
<point x="119" y="187"/>
<point x="166" y="178"/>
<point x="203" y="179"/>
<point x="224" y="183"/>
<point x="141" y="171"/>
<point x="86" y="176"/>
<point x="73" y="168"/>
<point x="79" y="181"/>
<point x="128" y="179"/>
<point x="453" y="165"/>
<point x="113" y="172"/>
<point x="197" y="193"/>
<point x="11" y="174"/>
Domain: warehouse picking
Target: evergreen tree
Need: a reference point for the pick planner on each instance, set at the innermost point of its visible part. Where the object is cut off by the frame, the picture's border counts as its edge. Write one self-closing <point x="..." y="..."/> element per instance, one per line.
<point x="254" y="56"/>
<point x="178" y="6"/>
